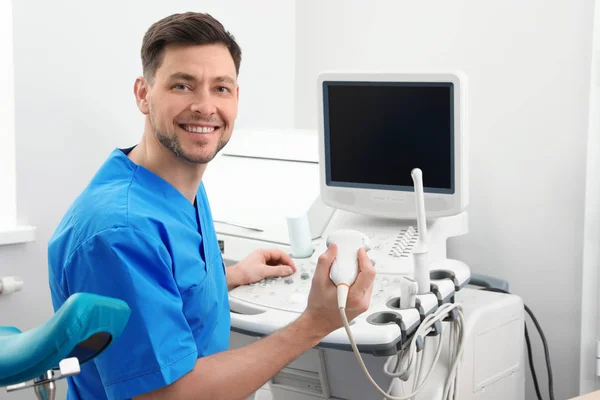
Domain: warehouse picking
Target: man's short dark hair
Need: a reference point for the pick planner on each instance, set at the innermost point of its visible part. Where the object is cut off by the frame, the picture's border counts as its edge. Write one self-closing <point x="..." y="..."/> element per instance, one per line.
<point x="187" y="28"/>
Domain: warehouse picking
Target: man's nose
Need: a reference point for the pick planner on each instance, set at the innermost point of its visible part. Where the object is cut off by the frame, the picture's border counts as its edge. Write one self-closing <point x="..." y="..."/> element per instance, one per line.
<point x="204" y="104"/>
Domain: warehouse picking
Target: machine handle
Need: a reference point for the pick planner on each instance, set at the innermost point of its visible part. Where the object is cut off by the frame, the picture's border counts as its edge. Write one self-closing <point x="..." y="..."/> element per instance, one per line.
<point x="263" y="323"/>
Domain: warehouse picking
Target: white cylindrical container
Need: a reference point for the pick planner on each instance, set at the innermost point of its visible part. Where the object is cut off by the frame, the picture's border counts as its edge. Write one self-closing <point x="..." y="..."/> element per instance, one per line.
<point x="300" y="237"/>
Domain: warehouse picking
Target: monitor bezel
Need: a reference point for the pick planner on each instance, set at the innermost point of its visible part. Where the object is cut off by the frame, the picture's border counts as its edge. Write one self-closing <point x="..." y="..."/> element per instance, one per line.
<point x="397" y="202"/>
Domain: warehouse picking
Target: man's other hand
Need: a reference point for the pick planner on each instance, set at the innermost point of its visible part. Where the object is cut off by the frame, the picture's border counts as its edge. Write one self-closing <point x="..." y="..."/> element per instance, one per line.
<point x="258" y="265"/>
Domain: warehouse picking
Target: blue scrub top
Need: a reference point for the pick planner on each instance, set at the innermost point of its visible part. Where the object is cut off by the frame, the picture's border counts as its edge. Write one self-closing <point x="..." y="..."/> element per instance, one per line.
<point x="131" y="235"/>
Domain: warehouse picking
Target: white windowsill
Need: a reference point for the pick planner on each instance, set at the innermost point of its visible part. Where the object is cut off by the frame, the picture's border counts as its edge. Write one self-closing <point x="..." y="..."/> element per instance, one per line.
<point x="18" y="234"/>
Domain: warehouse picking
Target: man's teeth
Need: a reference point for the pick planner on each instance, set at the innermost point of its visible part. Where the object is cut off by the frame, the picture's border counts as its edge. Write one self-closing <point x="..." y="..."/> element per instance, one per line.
<point x="199" y="129"/>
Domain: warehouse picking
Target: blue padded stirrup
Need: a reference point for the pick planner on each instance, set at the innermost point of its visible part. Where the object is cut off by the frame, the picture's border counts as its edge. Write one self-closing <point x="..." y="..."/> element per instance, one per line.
<point x="83" y="327"/>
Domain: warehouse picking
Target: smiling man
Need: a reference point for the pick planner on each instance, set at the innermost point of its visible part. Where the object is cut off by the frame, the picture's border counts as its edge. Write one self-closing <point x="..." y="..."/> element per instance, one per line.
<point x="142" y="231"/>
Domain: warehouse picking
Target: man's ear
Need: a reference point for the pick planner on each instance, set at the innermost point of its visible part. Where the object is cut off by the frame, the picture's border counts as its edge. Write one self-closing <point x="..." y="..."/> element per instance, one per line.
<point x="141" y="91"/>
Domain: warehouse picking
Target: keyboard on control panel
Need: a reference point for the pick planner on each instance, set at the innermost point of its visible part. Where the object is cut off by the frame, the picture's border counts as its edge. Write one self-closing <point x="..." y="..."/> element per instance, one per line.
<point x="290" y="293"/>
<point x="390" y="254"/>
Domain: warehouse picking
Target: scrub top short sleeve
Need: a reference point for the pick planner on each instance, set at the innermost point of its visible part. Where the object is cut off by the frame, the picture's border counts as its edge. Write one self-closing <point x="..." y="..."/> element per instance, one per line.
<point x="157" y="346"/>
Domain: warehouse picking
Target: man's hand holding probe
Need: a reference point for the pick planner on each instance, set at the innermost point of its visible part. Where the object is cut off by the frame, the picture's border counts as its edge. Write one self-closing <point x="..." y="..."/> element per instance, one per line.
<point x="322" y="300"/>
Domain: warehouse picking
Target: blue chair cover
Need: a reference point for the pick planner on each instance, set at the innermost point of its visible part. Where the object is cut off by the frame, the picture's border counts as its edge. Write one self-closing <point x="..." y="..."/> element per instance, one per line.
<point x="83" y="327"/>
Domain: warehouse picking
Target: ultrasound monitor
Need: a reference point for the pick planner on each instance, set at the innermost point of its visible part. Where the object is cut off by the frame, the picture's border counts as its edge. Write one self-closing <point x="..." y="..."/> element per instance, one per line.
<point x="375" y="128"/>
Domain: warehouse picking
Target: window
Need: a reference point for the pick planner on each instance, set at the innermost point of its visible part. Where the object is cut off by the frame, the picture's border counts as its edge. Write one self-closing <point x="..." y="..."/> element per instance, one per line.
<point x="9" y="231"/>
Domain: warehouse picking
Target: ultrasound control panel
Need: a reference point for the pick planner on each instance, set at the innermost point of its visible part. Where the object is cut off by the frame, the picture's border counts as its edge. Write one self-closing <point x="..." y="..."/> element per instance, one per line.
<point x="266" y="306"/>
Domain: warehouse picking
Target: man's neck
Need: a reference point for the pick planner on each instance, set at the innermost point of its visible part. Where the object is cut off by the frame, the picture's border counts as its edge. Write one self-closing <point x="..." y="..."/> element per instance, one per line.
<point x="184" y="176"/>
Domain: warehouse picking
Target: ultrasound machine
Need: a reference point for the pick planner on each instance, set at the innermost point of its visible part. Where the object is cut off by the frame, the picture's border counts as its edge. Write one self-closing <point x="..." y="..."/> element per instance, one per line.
<point x="389" y="163"/>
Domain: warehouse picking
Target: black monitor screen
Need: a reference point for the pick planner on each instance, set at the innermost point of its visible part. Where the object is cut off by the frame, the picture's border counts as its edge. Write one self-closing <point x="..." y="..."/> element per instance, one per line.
<point x="377" y="132"/>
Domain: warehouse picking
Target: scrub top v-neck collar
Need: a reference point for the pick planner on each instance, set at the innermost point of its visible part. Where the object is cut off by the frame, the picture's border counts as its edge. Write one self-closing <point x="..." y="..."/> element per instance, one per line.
<point x="201" y="224"/>
<point x="172" y="197"/>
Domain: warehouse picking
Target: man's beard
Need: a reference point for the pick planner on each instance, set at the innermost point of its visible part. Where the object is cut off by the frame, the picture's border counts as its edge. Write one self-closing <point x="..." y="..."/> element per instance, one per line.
<point x="171" y="142"/>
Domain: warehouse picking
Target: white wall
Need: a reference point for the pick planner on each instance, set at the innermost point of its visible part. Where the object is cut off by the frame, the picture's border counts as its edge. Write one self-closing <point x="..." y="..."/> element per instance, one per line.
<point x="528" y="64"/>
<point x="75" y="65"/>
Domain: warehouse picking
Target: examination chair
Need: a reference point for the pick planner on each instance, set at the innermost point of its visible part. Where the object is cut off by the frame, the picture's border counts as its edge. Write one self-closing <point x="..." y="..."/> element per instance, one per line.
<point x="80" y="330"/>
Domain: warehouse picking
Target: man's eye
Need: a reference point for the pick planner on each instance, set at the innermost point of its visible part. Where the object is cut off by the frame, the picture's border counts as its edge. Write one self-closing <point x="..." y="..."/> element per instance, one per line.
<point x="181" y="87"/>
<point x="223" y="89"/>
